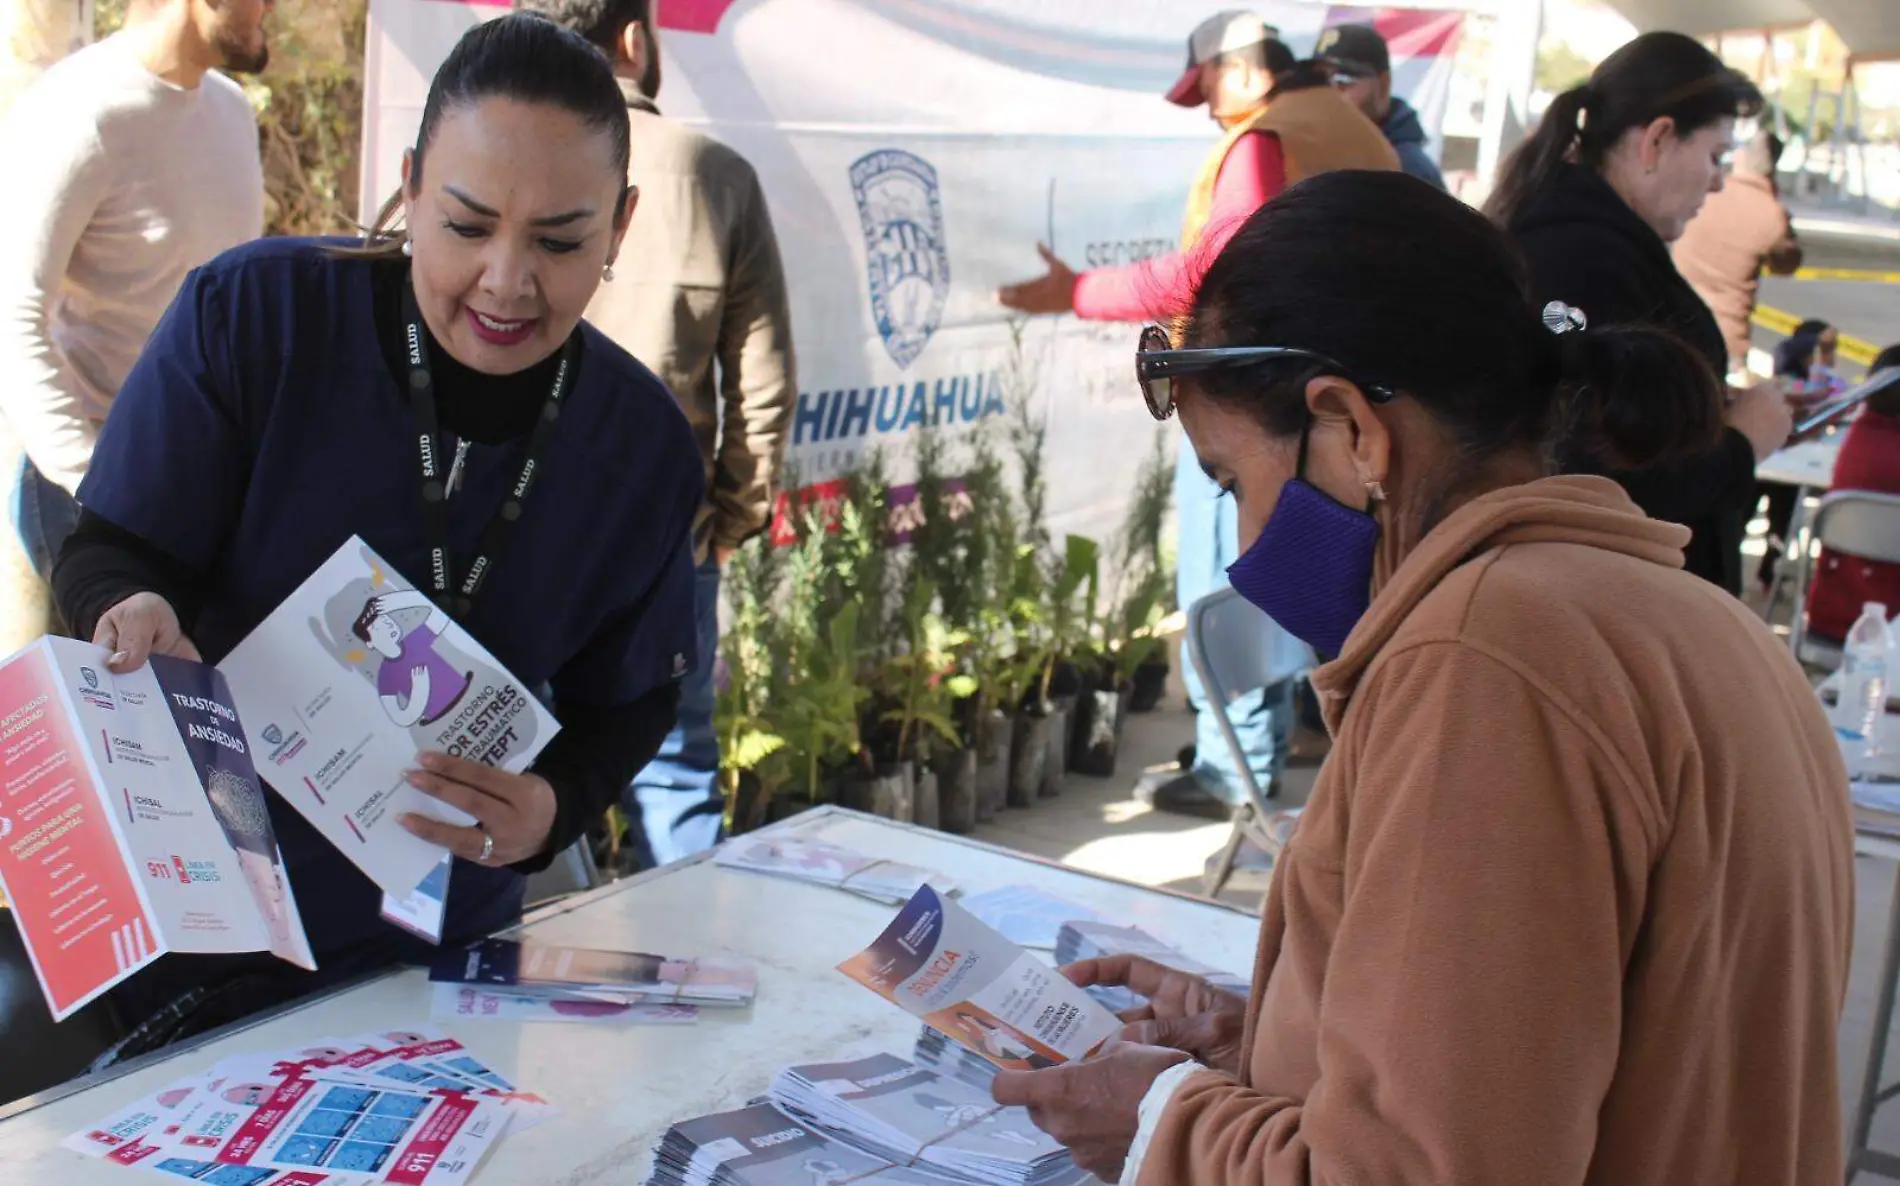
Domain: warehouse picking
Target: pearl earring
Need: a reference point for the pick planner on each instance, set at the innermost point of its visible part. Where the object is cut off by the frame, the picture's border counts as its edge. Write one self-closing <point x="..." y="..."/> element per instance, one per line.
<point x="408" y="247"/>
<point x="607" y="273"/>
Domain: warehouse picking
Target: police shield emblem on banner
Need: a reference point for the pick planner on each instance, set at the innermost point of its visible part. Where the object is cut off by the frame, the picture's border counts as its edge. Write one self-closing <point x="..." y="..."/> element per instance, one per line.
<point x="909" y="269"/>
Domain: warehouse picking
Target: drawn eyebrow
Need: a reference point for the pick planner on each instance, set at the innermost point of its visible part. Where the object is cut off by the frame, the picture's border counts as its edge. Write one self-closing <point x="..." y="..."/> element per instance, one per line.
<point x="488" y="212"/>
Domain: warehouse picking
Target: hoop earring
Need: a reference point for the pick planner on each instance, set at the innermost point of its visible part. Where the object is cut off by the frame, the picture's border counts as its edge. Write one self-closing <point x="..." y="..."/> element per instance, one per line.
<point x="409" y="247"/>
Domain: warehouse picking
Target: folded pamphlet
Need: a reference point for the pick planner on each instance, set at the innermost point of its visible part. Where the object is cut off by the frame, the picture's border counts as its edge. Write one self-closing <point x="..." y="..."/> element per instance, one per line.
<point x="937" y="961"/>
<point x="347" y="682"/>
<point x="818" y="863"/>
<point x="1093" y="940"/>
<point x="132" y="822"/>
<point x="762" y="1146"/>
<point x="412" y="1107"/>
<point x="457" y="1002"/>
<point x="627" y="977"/>
<point x="910" y="1115"/>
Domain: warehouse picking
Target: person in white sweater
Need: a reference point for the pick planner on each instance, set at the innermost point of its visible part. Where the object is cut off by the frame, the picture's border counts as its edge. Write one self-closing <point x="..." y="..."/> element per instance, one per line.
<point x="130" y="162"/>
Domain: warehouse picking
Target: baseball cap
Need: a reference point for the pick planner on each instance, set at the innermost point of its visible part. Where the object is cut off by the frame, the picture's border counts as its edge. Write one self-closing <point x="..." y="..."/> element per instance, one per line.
<point x="1354" y="49"/>
<point x="1222" y="33"/>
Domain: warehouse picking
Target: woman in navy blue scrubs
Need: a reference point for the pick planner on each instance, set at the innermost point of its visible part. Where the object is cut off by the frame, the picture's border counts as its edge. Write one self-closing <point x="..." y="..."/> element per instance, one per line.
<point x="434" y="391"/>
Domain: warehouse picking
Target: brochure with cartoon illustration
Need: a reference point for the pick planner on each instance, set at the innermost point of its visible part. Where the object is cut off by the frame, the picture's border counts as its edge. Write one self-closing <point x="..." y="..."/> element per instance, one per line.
<point x="939" y="962"/>
<point x="784" y="854"/>
<point x="132" y="822"/>
<point x="353" y="677"/>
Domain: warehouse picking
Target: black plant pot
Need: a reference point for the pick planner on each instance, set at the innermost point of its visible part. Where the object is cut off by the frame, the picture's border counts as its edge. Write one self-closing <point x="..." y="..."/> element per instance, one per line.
<point x="749" y="805"/>
<point x="1097" y="734"/>
<point x="1056" y="764"/>
<point x="784" y="807"/>
<point x="1028" y="757"/>
<point x="956" y="790"/>
<point x="925" y="805"/>
<point x="1080" y="711"/>
<point x="1151" y="684"/>
<point x="992" y="765"/>
<point x="888" y="793"/>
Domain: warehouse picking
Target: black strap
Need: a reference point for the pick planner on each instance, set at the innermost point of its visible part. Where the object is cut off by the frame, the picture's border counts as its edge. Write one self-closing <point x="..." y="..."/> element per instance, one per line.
<point x="440" y="581"/>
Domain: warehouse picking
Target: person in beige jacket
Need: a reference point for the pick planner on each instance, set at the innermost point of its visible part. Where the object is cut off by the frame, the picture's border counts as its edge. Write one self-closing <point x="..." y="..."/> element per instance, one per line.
<point x="700" y="298"/>
<point x="1572" y="899"/>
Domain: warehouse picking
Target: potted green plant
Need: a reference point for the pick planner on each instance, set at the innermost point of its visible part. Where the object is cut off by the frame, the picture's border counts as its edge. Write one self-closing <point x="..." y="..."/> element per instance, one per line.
<point x="1146" y="562"/>
<point x="752" y="763"/>
<point x="1073" y="590"/>
<point x="928" y="687"/>
<point x="1126" y="641"/>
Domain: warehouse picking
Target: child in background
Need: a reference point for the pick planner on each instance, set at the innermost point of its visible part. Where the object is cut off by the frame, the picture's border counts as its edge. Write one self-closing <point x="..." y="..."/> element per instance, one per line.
<point x="1870" y="460"/>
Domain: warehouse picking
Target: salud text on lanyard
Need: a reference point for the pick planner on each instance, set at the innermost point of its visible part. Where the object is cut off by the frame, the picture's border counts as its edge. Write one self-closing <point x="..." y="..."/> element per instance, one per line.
<point x="459" y="598"/>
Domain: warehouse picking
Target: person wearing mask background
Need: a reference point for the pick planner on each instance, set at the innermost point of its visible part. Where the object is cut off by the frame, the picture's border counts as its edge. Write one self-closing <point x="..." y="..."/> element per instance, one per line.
<point x="1612" y="175"/>
<point x="1283" y="122"/>
<point x="707" y="310"/>
<point x="130" y="162"/>
<point x="300" y="392"/>
<point x="1573" y="897"/>
<point x="1362" y="65"/>
<point x="1869" y="460"/>
<point x="1743" y="230"/>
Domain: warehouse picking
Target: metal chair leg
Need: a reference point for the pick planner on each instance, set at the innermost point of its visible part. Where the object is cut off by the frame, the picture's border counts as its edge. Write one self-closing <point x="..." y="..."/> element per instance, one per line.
<point x="1877" y="1046"/>
<point x="1216" y="880"/>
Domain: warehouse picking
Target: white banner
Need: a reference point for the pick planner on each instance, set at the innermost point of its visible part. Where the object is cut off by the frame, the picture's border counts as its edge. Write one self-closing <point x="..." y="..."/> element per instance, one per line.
<point x="913" y="153"/>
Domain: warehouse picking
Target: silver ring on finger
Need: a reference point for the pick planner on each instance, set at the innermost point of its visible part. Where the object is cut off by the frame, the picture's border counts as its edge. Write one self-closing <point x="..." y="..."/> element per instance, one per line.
<point x="488" y="849"/>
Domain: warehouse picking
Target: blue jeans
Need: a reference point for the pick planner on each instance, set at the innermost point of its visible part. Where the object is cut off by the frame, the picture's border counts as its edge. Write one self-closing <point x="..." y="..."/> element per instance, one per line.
<point x="1209" y="542"/>
<point x="674" y="808"/>
<point x="44" y="515"/>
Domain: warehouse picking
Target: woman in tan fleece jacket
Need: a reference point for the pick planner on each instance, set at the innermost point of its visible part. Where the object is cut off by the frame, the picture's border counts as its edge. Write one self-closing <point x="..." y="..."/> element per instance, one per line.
<point x="1572" y="899"/>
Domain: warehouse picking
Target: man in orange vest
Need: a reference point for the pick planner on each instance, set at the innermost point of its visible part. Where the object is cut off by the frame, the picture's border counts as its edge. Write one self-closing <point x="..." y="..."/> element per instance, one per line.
<point x="1284" y="122"/>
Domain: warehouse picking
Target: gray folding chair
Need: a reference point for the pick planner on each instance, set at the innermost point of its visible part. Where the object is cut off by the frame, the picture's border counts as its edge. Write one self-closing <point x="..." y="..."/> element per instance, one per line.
<point x="1854" y="523"/>
<point x="1236" y="650"/>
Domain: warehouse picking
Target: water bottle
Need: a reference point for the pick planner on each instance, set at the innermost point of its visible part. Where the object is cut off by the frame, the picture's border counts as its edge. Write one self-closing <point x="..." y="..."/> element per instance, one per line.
<point x="1863" y="697"/>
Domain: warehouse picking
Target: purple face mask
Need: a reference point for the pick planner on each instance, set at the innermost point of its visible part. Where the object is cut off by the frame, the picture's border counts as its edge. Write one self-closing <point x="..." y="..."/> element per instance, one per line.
<point x="1311" y="569"/>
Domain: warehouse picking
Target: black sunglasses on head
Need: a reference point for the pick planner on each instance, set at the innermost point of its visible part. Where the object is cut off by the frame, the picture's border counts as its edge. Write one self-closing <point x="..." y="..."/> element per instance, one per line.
<point x="1158" y="364"/>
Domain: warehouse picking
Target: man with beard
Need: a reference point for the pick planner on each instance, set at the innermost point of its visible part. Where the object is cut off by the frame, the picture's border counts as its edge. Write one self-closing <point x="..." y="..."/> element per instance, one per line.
<point x="131" y="162"/>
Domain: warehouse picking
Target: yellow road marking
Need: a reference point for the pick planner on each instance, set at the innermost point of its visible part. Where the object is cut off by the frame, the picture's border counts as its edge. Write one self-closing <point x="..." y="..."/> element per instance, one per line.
<point x="1780" y="322"/>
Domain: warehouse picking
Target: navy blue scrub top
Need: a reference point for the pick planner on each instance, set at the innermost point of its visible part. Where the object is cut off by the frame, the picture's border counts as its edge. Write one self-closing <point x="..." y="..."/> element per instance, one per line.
<point x="261" y="428"/>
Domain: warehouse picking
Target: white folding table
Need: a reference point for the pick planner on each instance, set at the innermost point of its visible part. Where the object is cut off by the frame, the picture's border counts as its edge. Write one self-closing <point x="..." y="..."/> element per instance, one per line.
<point x="620" y="1087"/>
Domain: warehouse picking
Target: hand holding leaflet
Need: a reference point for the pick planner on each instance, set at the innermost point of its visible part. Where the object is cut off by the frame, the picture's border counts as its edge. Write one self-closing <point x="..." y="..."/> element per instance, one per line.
<point x="346" y="684"/>
<point x="937" y="961"/>
<point x="132" y="822"/>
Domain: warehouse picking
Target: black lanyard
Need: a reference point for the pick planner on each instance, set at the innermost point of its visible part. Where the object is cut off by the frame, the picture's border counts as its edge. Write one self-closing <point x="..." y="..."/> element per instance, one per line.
<point x="430" y="446"/>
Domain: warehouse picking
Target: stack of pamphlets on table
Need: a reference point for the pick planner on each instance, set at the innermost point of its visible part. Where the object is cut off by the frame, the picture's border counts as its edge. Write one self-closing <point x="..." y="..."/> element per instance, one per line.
<point x="1093" y="940"/>
<point x="532" y="971"/>
<point x="818" y="863"/>
<point x="942" y="1054"/>
<point x="911" y="1116"/>
<point x="762" y="1146"/>
<point x="412" y="1107"/>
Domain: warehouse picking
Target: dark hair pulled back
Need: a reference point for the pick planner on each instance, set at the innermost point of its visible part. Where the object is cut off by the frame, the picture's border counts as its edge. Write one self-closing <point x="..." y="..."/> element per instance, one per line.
<point x="1408" y="287"/>
<point x="523" y="57"/>
<point x="1653" y="76"/>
